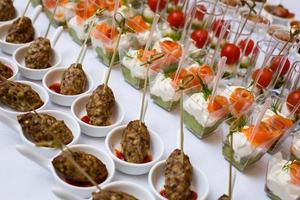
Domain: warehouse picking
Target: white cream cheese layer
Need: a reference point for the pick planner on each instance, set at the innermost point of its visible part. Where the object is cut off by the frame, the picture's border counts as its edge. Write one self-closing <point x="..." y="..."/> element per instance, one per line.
<point x="135" y="66"/>
<point x="197" y="107"/>
<point x="279" y="181"/>
<point x="163" y="88"/>
<point x="241" y="146"/>
<point x="296" y="148"/>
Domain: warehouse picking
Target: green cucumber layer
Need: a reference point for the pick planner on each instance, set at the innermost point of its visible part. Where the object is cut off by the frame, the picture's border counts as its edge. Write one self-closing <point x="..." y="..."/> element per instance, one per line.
<point x="244" y="162"/>
<point x="74" y="36"/>
<point x="197" y="129"/>
<point x="105" y="58"/>
<point x="36" y="2"/>
<point x="133" y="81"/>
<point x="168" y="106"/>
<point x="270" y="194"/>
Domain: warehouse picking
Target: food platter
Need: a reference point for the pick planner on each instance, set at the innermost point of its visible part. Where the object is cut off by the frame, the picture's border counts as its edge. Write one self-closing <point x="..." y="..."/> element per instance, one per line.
<point x="35" y="183"/>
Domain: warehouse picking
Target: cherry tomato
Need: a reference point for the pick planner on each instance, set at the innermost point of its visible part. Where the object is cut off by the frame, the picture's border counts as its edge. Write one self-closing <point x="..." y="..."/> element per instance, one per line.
<point x="176" y="19"/>
<point x="200" y="12"/>
<point x="200" y="37"/>
<point x="231" y="52"/>
<point x="217" y="26"/>
<point x="264" y="79"/>
<point x="250" y="44"/>
<point x="153" y="4"/>
<point x="175" y="2"/>
<point x="293" y="100"/>
<point x="277" y="61"/>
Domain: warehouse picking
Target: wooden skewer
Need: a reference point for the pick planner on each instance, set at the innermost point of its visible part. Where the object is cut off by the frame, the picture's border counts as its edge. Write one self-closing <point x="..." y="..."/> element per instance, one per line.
<point x="142" y="109"/>
<point x="112" y="60"/>
<point x="52" y="18"/>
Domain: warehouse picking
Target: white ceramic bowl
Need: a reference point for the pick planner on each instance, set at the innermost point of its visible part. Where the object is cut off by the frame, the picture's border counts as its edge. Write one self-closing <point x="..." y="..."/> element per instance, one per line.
<point x="55" y="76"/>
<point x="37" y="74"/>
<point x="10" y="48"/>
<point x="156" y="180"/>
<point x="78" y="110"/>
<point x="120" y="186"/>
<point x="70" y="122"/>
<point x="18" y="14"/>
<point x="39" y="89"/>
<point x="83" y="192"/>
<point x="113" y="141"/>
<point x="12" y="66"/>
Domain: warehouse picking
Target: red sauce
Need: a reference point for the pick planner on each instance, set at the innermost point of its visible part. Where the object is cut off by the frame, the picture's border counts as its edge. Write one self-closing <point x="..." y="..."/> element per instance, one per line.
<point x="193" y="195"/>
<point x="55" y="87"/>
<point x="85" y="119"/>
<point x="10" y="72"/>
<point x="120" y="155"/>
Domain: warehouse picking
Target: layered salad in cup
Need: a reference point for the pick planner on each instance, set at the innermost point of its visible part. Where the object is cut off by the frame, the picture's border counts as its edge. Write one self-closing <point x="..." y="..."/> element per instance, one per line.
<point x="164" y="85"/>
<point x="283" y="178"/>
<point x="254" y="138"/>
<point x="64" y="11"/>
<point x="79" y="23"/>
<point x="104" y="38"/>
<point x="134" y="66"/>
<point x="203" y="113"/>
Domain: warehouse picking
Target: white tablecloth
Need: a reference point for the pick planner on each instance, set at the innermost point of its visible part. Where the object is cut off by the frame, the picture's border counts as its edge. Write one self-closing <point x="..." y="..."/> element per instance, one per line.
<point x="22" y="179"/>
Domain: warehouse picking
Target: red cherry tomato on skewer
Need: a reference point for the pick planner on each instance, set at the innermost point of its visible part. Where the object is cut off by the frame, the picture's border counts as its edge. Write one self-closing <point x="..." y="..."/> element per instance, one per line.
<point x="153" y="4"/>
<point x="293" y="100"/>
<point x="217" y="26"/>
<point x="231" y="52"/>
<point x="176" y="19"/>
<point x="200" y="12"/>
<point x="264" y="79"/>
<point x="200" y="37"/>
<point x="277" y="61"/>
<point x="250" y="45"/>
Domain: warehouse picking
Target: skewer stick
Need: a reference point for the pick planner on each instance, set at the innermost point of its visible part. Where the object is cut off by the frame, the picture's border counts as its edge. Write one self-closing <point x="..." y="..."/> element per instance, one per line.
<point x="188" y="23"/>
<point x="112" y="60"/>
<point x="221" y="36"/>
<point x="221" y="68"/>
<point x="52" y="18"/>
<point x="24" y="12"/>
<point x="142" y="110"/>
<point x="116" y="7"/>
<point x="91" y="26"/>
<point x="182" y="59"/>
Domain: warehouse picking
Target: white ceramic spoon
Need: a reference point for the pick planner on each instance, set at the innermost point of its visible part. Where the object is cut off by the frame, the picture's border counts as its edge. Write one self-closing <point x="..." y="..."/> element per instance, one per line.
<point x="10" y="48"/>
<point x="38" y="74"/>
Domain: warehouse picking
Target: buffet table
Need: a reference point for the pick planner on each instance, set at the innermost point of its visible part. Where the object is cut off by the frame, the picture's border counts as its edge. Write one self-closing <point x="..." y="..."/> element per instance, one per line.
<point x="23" y="179"/>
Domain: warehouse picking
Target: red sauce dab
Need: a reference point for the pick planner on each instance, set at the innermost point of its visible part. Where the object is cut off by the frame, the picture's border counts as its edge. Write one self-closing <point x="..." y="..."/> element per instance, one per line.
<point x="10" y="72"/>
<point x="120" y="155"/>
<point x="85" y="119"/>
<point x="193" y="195"/>
<point x="55" y="87"/>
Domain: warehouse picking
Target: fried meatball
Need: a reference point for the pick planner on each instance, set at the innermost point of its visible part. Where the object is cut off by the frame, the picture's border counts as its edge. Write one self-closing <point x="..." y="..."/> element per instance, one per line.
<point x="100" y="106"/>
<point x="19" y="96"/>
<point x="38" y="54"/>
<point x="40" y="128"/>
<point x="7" y="10"/>
<point x="224" y="197"/>
<point x="89" y="163"/>
<point x="135" y="142"/>
<point x="178" y="176"/>
<point x="21" y="31"/>
<point x="5" y="71"/>
<point x="111" y="195"/>
<point x="73" y="81"/>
